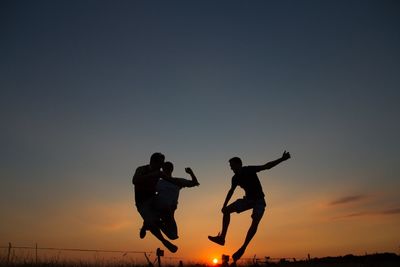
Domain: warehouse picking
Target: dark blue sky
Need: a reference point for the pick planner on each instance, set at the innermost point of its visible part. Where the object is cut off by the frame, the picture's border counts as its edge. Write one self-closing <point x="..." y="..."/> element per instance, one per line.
<point x="89" y="89"/>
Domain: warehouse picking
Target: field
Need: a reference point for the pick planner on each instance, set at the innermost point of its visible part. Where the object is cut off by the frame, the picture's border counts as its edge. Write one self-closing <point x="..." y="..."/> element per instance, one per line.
<point x="374" y="260"/>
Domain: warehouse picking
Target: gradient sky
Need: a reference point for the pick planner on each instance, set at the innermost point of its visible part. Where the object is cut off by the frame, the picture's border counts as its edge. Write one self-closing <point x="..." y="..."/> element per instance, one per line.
<point x="90" y="89"/>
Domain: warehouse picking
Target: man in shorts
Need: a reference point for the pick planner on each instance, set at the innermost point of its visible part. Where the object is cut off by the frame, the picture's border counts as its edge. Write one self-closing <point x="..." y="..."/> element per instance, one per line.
<point x="166" y="200"/>
<point x="145" y="180"/>
<point x="245" y="177"/>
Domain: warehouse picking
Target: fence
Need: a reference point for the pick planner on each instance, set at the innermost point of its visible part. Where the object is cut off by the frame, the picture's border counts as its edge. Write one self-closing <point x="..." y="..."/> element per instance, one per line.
<point x="158" y="253"/>
<point x="36" y="248"/>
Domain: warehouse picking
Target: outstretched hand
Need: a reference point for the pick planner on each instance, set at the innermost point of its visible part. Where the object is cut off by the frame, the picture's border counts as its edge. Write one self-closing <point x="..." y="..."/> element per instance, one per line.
<point x="188" y="171"/>
<point x="191" y="173"/>
<point x="286" y="155"/>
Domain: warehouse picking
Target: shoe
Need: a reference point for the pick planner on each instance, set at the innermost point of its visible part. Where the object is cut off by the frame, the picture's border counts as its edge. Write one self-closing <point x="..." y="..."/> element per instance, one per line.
<point x="217" y="239"/>
<point x="171" y="247"/>
<point x="238" y="254"/>
<point x="142" y="232"/>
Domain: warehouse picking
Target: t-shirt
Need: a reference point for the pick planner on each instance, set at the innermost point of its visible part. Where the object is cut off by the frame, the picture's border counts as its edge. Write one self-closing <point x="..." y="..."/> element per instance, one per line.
<point x="146" y="188"/>
<point x="247" y="179"/>
<point x="167" y="194"/>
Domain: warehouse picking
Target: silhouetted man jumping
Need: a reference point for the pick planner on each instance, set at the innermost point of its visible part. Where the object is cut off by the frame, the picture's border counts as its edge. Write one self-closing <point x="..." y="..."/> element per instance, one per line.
<point x="145" y="180"/>
<point x="166" y="200"/>
<point x="245" y="177"/>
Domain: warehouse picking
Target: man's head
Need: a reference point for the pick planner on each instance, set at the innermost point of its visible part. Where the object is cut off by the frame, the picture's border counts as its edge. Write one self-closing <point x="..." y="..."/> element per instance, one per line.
<point x="157" y="160"/>
<point x="236" y="164"/>
<point x="168" y="168"/>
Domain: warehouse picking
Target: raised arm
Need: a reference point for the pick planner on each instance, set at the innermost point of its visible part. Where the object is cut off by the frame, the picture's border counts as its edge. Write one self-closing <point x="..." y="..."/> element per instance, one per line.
<point x="194" y="181"/>
<point x="181" y="182"/>
<point x="271" y="164"/>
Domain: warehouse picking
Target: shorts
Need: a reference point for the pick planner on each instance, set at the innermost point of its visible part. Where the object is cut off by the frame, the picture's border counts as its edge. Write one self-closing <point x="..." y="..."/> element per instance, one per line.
<point x="146" y="210"/>
<point x="244" y="204"/>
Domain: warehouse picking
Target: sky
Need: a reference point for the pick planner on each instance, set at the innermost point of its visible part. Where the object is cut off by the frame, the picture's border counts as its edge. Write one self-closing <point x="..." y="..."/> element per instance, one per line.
<point x="90" y="89"/>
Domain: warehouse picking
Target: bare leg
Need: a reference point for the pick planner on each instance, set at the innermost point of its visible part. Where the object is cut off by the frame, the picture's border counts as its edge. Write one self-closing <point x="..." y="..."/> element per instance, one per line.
<point x="157" y="233"/>
<point x="151" y="222"/>
<point x="220" y="238"/>
<point x="174" y="226"/>
<point x="250" y="234"/>
<point x="169" y="226"/>
<point x="142" y="232"/>
<point x="226" y="219"/>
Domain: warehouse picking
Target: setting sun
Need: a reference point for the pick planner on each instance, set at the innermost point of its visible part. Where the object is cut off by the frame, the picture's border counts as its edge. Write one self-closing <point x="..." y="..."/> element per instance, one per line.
<point x="215" y="260"/>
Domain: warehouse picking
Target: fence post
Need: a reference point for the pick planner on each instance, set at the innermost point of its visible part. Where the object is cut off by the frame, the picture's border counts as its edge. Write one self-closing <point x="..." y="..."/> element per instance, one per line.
<point x="9" y="252"/>
<point x="159" y="253"/>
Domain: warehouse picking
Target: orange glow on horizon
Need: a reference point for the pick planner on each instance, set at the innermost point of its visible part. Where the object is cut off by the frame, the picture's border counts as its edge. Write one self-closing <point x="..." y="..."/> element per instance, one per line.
<point x="215" y="260"/>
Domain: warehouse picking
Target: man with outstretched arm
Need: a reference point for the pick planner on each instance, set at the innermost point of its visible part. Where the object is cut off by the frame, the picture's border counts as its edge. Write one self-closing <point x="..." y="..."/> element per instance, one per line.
<point x="166" y="200"/>
<point x="245" y="177"/>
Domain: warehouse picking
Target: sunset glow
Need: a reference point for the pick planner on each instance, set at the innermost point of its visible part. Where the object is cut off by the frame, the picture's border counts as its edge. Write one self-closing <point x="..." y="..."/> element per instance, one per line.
<point x="90" y="89"/>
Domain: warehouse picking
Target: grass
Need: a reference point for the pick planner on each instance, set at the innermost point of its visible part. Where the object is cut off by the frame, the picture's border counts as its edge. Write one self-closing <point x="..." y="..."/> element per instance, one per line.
<point x="374" y="260"/>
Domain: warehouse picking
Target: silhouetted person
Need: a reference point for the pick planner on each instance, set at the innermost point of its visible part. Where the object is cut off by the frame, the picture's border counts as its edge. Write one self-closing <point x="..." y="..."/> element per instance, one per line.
<point x="145" y="180"/>
<point x="166" y="200"/>
<point x="245" y="177"/>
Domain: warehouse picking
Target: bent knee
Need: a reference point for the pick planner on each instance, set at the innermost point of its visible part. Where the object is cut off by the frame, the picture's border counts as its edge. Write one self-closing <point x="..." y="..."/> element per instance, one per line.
<point x="228" y="210"/>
